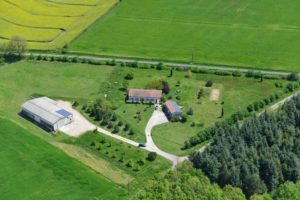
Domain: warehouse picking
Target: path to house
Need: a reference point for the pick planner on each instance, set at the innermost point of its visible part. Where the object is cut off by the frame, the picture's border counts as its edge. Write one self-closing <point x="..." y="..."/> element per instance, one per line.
<point x="81" y="125"/>
<point x="152" y="62"/>
<point x="157" y="118"/>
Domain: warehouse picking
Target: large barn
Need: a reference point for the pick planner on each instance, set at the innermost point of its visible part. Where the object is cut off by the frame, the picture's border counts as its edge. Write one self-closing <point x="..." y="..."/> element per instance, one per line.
<point x="46" y="113"/>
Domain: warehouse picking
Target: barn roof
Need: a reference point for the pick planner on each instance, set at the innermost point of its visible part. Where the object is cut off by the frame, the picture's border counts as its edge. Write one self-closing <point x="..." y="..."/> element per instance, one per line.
<point x="144" y="93"/>
<point x="46" y="109"/>
<point x="172" y="107"/>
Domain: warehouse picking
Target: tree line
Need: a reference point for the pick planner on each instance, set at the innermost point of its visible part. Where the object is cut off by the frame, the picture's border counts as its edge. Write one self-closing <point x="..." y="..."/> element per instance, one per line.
<point x="186" y="182"/>
<point x="239" y="116"/>
<point x="259" y="156"/>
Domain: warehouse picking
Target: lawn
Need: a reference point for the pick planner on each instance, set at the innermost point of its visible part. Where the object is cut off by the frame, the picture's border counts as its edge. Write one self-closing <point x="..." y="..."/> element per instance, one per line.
<point x="33" y="169"/>
<point x="235" y="92"/>
<point x="49" y="24"/>
<point x="254" y="34"/>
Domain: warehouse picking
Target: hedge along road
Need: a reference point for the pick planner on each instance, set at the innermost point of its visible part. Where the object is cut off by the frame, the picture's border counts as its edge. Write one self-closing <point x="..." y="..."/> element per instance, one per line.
<point x="171" y="64"/>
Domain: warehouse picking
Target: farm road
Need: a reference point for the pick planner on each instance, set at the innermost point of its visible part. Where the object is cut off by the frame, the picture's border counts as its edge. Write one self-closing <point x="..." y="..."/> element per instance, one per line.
<point x="172" y="64"/>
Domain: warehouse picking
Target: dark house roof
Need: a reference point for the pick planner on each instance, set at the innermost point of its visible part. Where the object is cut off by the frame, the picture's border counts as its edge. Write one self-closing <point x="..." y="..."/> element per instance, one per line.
<point x="144" y="93"/>
<point x="172" y="107"/>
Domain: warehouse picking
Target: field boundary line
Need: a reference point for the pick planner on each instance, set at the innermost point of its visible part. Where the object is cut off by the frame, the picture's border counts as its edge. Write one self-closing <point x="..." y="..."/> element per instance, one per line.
<point x="155" y="62"/>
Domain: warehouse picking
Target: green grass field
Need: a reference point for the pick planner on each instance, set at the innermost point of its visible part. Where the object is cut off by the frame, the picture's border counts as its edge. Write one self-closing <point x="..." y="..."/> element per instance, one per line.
<point x="81" y="82"/>
<point x="49" y="24"/>
<point x="33" y="169"/>
<point x="255" y="34"/>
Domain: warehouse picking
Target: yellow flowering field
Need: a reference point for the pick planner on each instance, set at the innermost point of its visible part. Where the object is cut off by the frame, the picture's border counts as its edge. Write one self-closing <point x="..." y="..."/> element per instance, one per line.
<point x="49" y="24"/>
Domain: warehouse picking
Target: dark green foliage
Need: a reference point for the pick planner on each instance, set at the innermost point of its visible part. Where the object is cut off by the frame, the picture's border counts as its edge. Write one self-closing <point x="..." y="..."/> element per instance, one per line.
<point x="209" y="84"/>
<point x="160" y="66"/>
<point x="187" y="183"/>
<point x="151" y="156"/>
<point x="190" y="111"/>
<point x="237" y="73"/>
<point x="259" y="156"/>
<point x="129" y="76"/>
<point x="293" y="77"/>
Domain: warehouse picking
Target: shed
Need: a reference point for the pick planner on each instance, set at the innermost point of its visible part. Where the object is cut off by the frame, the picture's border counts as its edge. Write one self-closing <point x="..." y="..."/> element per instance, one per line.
<point x="172" y="109"/>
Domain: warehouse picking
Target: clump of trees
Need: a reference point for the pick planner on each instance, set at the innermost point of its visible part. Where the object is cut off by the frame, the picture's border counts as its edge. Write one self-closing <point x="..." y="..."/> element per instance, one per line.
<point x="257" y="157"/>
<point x="159" y="85"/>
<point x="102" y="113"/>
<point x="240" y="115"/>
<point x="14" y="49"/>
<point x="185" y="183"/>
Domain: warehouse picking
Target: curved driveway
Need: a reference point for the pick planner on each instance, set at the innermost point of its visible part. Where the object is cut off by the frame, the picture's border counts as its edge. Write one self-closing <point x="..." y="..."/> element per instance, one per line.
<point x="157" y="118"/>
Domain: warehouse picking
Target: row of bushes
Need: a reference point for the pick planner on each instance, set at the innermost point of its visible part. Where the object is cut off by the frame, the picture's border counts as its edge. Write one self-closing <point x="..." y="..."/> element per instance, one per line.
<point x="207" y="134"/>
<point x="161" y="66"/>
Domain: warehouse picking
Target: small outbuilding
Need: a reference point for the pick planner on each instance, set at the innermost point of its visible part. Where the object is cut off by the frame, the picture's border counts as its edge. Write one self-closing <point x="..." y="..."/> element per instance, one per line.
<point x="172" y="110"/>
<point x="46" y="113"/>
<point x="143" y="96"/>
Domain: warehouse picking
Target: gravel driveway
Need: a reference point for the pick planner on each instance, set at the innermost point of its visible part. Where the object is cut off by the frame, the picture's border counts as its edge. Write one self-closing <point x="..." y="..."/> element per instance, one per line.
<point x="79" y="125"/>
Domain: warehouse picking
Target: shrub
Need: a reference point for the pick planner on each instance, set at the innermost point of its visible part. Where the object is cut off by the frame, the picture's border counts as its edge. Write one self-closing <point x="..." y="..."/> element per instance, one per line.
<point x="209" y="83"/>
<point x="120" y="123"/>
<point x="293" y="77"/>
<point x="237" y="73"/>
<point x="190" y="111"/>
<point x="250" y="108"/>
<point x="131" y="132"/>
<point x="126" y="127"/>
<point x="183" y="119"/>
<point x="129" y="76"/>
<point x="129" y="163"/>
<point x="116" y="129"/>
<point x="151" y="156"/>
<point x="110" y="125"/>
<point x="223" y="73"/>
<point x="160" y="66"/>
<point x="141" y="162"/>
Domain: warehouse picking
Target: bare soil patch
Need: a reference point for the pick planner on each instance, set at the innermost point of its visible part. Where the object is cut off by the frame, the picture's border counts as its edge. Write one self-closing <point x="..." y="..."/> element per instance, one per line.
<point x="215" y="95"/>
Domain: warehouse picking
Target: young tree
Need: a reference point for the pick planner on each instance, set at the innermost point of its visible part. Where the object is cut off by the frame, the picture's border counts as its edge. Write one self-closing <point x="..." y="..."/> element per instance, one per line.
<point x="209" y="83"/>
<point x="17" y="46"/>
<point x="190" y="111"/>
<point x="151" y="156"/>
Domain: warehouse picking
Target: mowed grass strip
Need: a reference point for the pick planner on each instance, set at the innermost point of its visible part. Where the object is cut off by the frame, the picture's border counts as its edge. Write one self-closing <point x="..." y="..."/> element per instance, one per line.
<point x="237" y="33"/>
<point x="33" y="169"/>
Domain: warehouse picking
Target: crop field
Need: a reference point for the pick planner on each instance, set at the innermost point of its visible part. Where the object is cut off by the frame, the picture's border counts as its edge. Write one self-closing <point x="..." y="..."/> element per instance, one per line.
<point x="34" y="169"/>
<point x="49" y="24"/>
<point x="256" y="34"/>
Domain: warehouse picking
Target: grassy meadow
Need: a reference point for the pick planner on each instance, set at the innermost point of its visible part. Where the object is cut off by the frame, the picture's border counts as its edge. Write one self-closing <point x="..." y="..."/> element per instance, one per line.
<point x="49" y="24"/>
<point x="33" y="169"/>
<point x="254" y="34"/>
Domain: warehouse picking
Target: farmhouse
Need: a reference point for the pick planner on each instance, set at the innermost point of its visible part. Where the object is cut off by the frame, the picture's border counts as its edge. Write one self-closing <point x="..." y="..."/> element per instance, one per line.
<point x="172" y="110"/>
<point x="46" y="113"/>
<point x="144" y="96"/>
